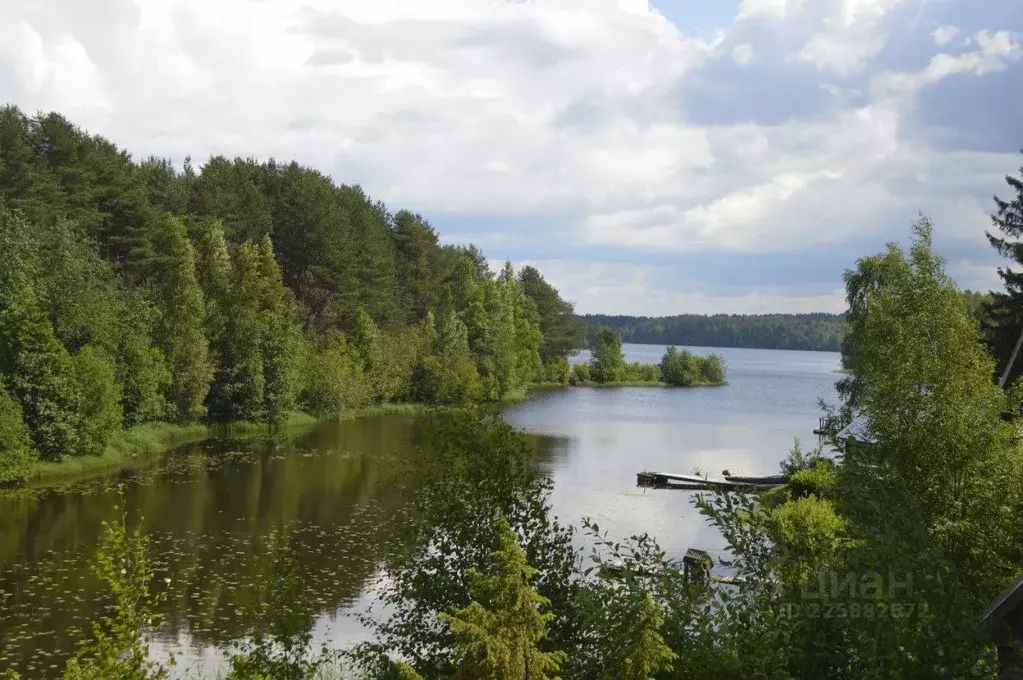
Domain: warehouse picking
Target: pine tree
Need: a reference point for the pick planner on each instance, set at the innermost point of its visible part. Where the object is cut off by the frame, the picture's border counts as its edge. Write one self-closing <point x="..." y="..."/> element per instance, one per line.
<point x="498" y="634"/>
<point x="1004" y="324"/>
<point x="180" y="333"/>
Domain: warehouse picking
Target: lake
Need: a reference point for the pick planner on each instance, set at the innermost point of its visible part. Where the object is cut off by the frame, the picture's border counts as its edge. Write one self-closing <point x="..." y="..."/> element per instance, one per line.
<point x="214" y="509"/>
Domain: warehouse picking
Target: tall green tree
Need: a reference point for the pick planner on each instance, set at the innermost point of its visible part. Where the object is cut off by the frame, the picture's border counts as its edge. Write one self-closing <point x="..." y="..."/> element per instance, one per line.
<point x="933" y="409"/>
<point x="37" y="369"/>
<point x="280" y="337"/>
<point x="238" y="392"/>
<point x="562" y="332"/>
<point x="608" y="362"/>
<point x="180" y="333"/>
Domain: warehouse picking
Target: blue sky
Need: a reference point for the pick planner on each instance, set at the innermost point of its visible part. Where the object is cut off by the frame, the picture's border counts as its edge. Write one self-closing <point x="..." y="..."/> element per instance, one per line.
<point x="649" y="157"/>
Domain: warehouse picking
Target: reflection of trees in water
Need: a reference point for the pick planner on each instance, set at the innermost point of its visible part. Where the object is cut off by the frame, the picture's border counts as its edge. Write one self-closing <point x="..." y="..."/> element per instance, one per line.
<point x="216" y="512"/>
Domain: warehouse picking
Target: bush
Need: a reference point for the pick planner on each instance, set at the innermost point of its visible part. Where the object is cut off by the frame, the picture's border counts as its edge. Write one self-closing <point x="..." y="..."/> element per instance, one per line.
<point x="818" y="480"/>
<point x="640" y="372"/>
<point x="680" y="368"/>
<point x="713" y="369"/>
<point x="333" y="381"/>
<point x="556" y="370"/>
<point x="580" y="374"/>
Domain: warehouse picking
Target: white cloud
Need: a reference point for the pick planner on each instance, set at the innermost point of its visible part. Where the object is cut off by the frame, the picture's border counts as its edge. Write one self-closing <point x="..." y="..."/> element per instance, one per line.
<point x="771" y="9"/>
<point x="743" y="53"/>
<point x="943" y="35"/>
<point x="574" y="108"/>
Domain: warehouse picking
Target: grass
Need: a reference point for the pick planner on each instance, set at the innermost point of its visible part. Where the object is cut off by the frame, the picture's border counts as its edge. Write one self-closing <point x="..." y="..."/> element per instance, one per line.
<point x="134" y="445"/>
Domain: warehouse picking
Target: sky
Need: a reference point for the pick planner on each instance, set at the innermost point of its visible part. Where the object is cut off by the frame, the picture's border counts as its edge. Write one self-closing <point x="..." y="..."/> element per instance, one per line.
<point x="649" y="157"/>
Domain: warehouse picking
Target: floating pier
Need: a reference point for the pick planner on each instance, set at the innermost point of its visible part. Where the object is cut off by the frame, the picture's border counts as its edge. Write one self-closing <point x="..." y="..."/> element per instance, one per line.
<point x="670" y="480"/>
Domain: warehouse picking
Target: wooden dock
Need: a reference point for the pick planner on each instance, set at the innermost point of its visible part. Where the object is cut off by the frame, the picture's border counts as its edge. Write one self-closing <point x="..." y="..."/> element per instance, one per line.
<point x="670" y="480"/>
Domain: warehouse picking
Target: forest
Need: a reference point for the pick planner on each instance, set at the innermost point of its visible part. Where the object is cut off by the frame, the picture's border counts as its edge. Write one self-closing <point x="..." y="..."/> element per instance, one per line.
<point x="821" y="332"/>
<point x="133" y="294"/>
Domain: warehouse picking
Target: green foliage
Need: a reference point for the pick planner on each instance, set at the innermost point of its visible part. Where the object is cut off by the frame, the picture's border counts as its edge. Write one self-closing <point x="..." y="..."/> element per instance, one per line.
<point x="141" y="368"/>
<point x="686" y="369"/>
<point x="712" y="370"/>
<point x="765" y="331"/>
<point x="498" y="633"/>
<point x="556" y="370"/>
<point x="119" y="645"/>
<point x="580" y="374"/>
<point x="16" y="451"/>
<point x="819" y="480"/>
<point x="37" y="369"/>
<point x="333" y="380"/>
<point x="608" y="363"/>
<point x="562" y="332"/>
<point x="180" y="334"/>
<point x="448" y="375"/>
<point x="101" y="411"/>
<point x="471" y="470"/>
<point x="934" y="411"/>
<point x="640" y="372"/>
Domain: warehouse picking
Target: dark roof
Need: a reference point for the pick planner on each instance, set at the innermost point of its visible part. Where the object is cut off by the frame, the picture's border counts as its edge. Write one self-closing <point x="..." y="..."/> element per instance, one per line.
<point x="1006" y="602"/>
<point x="856" y="429"/>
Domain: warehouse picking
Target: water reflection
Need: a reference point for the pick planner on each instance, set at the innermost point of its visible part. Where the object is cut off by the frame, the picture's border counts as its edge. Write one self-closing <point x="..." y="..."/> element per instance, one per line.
<point x="213" y="509"/>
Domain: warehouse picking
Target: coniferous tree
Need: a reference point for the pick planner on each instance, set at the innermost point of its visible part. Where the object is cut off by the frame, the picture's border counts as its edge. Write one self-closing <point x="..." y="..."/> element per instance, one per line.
<point x="1004" y="321"/>
<point x="498" y="635"/>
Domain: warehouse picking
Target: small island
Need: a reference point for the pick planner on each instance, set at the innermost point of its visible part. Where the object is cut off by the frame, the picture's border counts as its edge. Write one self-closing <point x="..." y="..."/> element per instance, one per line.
<point x="608" y="368"/>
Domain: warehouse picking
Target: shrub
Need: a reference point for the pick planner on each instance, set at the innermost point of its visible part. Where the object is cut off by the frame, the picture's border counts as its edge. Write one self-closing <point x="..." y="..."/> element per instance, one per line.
<point x="713" y="369"/>
<point x="640" y="372"/>
<point x="680" y="368"/>
<point x="580" y="374"/>
<point x="556" y="370"/>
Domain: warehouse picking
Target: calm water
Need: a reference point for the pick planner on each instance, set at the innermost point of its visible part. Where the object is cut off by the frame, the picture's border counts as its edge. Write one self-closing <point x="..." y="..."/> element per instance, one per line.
<point x="213" y="509"/>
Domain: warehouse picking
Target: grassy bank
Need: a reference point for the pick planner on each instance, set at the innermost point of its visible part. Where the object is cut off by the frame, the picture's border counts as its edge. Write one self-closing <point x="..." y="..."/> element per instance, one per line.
<point x="147" y="440"/>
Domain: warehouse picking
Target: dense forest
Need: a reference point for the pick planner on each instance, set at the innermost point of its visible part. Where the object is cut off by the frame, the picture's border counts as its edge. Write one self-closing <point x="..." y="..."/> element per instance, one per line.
<point x="764" y="331"/>
<point x="133" y="293"/>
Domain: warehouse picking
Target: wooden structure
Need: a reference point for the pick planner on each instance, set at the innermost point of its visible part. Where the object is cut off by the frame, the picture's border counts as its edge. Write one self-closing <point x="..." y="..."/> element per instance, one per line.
<point x="1004" y="618"/>
<point x="670" y="480"/>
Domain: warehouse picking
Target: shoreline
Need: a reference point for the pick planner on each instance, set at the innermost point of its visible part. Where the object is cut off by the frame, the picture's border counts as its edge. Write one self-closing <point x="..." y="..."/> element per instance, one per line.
<point x="134" y="446"/>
